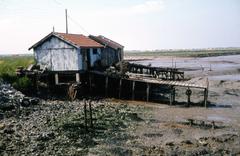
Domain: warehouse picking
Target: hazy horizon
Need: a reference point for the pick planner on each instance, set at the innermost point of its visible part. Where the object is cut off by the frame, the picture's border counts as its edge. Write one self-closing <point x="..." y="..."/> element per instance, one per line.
<point x="136" y="24"/>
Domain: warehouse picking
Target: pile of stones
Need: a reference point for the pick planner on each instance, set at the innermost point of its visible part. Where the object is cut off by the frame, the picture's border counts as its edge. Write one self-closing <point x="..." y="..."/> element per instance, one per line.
<point x="12" y="100"/>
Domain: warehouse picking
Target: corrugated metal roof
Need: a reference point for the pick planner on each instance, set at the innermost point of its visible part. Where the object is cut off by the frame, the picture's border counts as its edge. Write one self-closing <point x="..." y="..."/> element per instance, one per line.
<point x="107" y="42"/>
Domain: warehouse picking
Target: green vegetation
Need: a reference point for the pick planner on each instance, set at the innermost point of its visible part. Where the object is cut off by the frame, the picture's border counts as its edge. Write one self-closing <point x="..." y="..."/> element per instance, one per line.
<point x="8" y="66"/>
<point x="184" y="53"/>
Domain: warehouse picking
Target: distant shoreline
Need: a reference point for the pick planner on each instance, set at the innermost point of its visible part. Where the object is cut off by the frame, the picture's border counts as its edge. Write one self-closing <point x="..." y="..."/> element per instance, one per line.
<point x="149" y="55"/>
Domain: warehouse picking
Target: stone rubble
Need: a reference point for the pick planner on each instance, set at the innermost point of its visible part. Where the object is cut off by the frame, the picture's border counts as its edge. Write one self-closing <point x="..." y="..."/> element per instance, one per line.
<point x="12" y="101"/>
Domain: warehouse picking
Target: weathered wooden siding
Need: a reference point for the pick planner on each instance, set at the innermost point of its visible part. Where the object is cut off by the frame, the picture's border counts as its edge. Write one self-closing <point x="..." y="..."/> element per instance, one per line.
<point x="57" y="55"/>
<point x="109" y="56"/>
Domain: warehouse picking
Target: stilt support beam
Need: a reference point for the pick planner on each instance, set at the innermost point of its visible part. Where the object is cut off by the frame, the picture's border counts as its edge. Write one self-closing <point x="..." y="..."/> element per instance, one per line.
<point x="106" y="86"/>
<point x="133" y="90"/>
<point x="120" y="88"/>
<point x="205" y="97"/>
<point x="56" y="79"/>
<point x="147" y="91"/>
<point x="77" y="77"/>
<point x="90" y="83"/>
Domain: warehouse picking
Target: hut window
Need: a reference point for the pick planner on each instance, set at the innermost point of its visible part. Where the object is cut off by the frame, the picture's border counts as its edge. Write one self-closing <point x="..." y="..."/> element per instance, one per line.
<point x="95" y="51"/>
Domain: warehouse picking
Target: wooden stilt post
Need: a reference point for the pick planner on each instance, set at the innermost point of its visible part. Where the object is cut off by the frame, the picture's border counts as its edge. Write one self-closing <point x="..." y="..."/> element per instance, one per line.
<point x="90" y="83"/>
<point x="206" y="93"/>
<point x="205" y="97"/>
<point x="133" y="90"/>
<point x="174" y="94"/>
<point x="120" y="88"/>
<point x="188" y="93"/>
<point x="77" y="77"/>
<point x="148" y="88"/>
<point x="56" y="79"/>
<point x="36" y="83"/>
<point x="171" y="99"/>
<point x="48" y="85"/>
<point x="106" y="86"/>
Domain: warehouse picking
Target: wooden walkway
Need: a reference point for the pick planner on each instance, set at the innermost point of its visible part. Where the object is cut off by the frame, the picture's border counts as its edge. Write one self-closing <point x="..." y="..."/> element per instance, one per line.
<point x="133" y="78"/>
<point x="157" y="72"/>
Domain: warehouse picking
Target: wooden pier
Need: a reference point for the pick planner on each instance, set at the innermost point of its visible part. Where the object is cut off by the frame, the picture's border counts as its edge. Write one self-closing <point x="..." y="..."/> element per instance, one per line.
<point x="135" y="84"/>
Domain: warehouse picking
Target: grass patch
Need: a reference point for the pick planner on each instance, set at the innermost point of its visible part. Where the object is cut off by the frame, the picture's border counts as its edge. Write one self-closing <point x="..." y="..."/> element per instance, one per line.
<point x="8" y="66"/>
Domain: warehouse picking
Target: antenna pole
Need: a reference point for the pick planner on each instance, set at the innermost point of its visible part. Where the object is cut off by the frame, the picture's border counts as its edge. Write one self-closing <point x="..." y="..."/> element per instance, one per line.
<point x="66" y="21"/>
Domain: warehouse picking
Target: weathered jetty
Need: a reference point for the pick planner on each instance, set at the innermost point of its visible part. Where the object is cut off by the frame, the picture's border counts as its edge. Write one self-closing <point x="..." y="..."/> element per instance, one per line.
<point x="132" y="86"/>
<point x="94" y="66"/>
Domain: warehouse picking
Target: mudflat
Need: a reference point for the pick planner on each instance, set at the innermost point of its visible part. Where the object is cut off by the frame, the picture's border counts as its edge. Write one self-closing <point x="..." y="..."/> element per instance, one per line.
<point x="57" y="127"/>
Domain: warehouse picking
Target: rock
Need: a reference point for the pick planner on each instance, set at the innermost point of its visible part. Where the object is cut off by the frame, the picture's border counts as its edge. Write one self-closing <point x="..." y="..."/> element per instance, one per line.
<point x="134" y="116"/>
<point x="9" y="129"/>
<point x="7" y="106"/>
<point x="2" y="146"/>
<point x="188" y="142"/>
<point x="169" y="144"/>
<point x="2" y="126"/>
<point x="25" y="102"/>
<point x="46" y="136"/>
<point x="34" y="101"/>
<point x="202" y="141"/>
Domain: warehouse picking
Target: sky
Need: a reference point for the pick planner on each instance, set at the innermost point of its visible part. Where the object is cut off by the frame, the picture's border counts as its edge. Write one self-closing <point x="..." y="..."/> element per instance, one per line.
<point x="136" y="24"/>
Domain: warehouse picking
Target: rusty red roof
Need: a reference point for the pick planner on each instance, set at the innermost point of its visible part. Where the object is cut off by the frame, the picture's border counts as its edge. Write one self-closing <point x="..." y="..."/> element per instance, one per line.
<point x="80" y="40"/>
<point x="77" y="40"/>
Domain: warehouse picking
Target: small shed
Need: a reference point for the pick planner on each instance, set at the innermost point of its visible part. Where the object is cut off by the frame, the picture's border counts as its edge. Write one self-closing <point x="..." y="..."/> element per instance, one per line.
<point x="75" y="52"/>
<point x="112" y="51"/>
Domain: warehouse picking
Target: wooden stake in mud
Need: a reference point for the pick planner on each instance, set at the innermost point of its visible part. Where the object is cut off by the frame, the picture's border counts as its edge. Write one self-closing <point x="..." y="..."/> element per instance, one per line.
<point x="85" y="115"/>
<point x="206" y="94"/>
<point x="188" y="93"/>
<point x="90" y="111"/>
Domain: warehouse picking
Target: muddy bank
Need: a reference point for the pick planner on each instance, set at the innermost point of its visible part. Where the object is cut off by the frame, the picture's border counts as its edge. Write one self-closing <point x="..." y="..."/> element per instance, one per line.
<point x="119" y="128"/>
<point x="57" y="127"/>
